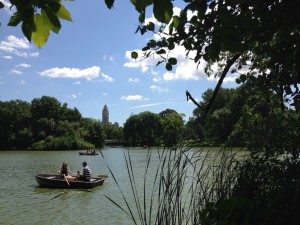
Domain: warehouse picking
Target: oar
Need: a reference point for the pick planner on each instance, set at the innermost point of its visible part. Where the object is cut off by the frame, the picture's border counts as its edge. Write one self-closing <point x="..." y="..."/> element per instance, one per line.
<point x="67" y="180"/>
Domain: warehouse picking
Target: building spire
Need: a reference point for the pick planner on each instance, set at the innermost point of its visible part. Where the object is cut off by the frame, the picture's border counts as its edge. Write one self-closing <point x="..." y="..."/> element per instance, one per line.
<point x="105" y="114"/>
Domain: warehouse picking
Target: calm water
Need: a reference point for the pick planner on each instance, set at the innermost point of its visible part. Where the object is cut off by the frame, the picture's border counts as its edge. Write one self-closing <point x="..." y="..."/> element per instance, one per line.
<point x="23" y="202"/>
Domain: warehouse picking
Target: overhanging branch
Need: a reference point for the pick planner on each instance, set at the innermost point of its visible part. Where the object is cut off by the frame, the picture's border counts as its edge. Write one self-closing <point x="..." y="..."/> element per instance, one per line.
<point x="217" y="88"/>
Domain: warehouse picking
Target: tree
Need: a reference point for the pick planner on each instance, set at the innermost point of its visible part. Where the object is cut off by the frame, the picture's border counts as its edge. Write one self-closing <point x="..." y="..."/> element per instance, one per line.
<point x="259" y="37"/>
<point x="15" y="128"/>
<point x="172" y="126"/>
<point x="38" y="18"/>
<point x="143" y="129"/>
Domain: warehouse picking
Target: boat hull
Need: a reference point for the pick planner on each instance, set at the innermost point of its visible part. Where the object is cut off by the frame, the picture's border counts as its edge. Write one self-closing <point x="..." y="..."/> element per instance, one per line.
<point x="57" y="181"/>
<point x="83" y="153"/>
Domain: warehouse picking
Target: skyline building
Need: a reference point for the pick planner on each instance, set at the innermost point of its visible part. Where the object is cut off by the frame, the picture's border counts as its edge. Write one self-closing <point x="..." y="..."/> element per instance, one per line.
<point x="105" y="114"/>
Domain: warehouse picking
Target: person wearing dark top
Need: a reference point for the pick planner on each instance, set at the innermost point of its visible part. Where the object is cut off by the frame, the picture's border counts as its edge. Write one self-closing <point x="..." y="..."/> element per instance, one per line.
<point x="64" y="169"/>
<point x="86" y="173"/>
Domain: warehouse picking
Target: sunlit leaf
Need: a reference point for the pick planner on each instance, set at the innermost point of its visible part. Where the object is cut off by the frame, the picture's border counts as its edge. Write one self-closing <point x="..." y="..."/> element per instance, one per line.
<point x="41" y="34"/>
<point x="63" y="13"/>
<point x="51" y="20"/>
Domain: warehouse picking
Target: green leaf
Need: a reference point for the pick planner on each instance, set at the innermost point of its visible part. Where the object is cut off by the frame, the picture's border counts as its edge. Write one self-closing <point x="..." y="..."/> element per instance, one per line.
<point x="28" y="25"/>
<point x="243" y="78"/>
<point x="161" y="51"/>
<point x="142" y="17"/>
<point x="63" y="13"/>
<point x="109" y="3"/>
<point x="134" y="55"/>
<point x="15" y="19"/>
<point x="150" y="26"/>
<point x="172" y="61"/>
<point x="145" y="48"/>
<point x="1" y="5"/>
<point x="140" y="5"/>
<point x="168" y="66"/>
<point x="171" y="46"/>
<point x="41" y="34"/>
<point x="176" y="21"/>
<point x="51" y="20"/>
<point x="152" y="43"/>
<point x="163" y="10"/>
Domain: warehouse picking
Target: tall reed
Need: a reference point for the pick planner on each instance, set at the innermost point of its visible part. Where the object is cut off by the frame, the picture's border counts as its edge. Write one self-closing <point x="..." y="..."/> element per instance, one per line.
<point x="185" y="183"/>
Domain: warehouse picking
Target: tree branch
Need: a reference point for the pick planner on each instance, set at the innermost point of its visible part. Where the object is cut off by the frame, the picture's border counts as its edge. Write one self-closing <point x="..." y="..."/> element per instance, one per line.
<point x="217" y="88"/>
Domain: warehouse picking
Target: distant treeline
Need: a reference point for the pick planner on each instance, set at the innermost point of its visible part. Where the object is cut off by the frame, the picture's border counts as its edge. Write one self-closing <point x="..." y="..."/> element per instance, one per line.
<point x="46" y="124"/>
<point x="243" y="116"/>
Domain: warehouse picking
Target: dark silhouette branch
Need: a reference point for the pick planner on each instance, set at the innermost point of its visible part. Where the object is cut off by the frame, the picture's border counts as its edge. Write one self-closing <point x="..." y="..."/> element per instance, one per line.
<point x="217" y="88"/>
<point x="189" y="97"/>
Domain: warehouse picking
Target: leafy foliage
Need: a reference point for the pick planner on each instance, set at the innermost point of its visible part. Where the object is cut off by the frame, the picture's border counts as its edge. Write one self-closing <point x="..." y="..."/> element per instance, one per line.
<point x="46" y="124"/>
<point x="38" y="18"/>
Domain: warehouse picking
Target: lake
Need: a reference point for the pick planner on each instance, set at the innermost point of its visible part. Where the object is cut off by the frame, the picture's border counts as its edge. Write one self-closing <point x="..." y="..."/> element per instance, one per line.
<point x="23" y="202"/>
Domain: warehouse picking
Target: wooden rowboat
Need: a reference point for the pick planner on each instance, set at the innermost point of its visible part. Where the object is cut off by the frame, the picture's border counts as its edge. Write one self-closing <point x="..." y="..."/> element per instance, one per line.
<point x="84" y="153"/>
<point x="58" y="181"/>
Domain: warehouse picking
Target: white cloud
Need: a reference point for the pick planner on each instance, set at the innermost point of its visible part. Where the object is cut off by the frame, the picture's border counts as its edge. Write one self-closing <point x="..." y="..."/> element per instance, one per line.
<point x="6" y="57"/>
<point x="155" y="88"/>
<point x="24" y="65"/>
<point x="186" y="68"/>
<point x="88" y="73"/>
<point x="156" y="79"/>
<point x="144" y="64"/>
<point x="133" y="80"/>
<point x="74" y="96"/>
<point x="7" y="6"/>
<point x="17" y="46"/>
<point x="106" y="77"/>
<point x="134" y="98"/>
<point x="104" y="94"/>
<point x="18" y="72"/>
<point x="108" y="58"/>
<point x="149" y="105"/>
<point x="77" y="82"/>
<point x="23" y="82"/>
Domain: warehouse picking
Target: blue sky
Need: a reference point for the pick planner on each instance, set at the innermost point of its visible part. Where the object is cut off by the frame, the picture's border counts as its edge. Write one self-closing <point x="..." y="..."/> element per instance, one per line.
<point x="88" y="65"/>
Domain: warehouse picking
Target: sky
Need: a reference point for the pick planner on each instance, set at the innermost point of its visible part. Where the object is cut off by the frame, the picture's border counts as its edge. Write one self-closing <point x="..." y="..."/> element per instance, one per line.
<point x="88" y="64"/>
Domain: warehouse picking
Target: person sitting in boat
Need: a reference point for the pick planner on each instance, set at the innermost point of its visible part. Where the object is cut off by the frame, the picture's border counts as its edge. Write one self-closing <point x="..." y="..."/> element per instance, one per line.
<point x="64" y="169"/>
<point x="86" y="173"/>
<point x="65" y="172"/>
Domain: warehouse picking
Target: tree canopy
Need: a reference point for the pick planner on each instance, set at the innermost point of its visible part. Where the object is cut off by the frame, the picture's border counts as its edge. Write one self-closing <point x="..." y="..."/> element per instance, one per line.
<point x="257" y="39"/>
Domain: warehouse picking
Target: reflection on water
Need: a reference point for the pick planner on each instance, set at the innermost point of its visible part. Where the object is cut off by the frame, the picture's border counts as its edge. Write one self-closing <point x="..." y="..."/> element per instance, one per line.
<point x="23" y="202"/>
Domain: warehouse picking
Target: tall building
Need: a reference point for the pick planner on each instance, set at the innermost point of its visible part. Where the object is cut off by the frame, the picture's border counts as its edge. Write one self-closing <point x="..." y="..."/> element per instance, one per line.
<point x="105" y="115"/>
